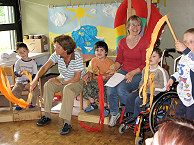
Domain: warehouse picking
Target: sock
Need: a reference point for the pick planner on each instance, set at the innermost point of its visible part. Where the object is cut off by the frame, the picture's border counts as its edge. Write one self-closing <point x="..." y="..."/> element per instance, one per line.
<point x="106" y="107"/>
<point x="66" y="121"/>
<point x="47" y="114"/>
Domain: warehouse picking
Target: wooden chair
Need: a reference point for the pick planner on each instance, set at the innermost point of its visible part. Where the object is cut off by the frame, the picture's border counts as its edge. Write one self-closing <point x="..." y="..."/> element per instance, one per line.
<point x="10" y="72"/>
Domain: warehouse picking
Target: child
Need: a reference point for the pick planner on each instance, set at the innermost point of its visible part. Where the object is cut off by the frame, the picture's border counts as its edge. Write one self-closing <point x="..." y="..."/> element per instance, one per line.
<point x="185" y="76"/>
<point x="24" y="64"/>
<point x="160" y="80"/>
<point x="98" y="65"/>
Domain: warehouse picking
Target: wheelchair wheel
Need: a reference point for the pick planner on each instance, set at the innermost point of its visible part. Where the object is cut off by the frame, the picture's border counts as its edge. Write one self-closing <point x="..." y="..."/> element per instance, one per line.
<point x="163" y="107"/>
<point x="122" y="128"/>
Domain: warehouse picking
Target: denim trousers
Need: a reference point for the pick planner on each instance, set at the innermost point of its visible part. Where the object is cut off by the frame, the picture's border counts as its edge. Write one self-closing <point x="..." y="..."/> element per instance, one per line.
<point x="134" y="102"/>
<point x="121" y="91"/>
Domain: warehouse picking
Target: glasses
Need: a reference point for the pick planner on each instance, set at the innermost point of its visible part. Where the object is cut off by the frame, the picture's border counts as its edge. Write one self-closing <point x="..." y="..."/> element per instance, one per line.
<point x="133" y="25"/>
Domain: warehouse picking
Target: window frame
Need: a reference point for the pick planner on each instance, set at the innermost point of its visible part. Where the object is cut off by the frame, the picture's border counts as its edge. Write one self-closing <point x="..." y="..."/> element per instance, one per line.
<point x="17" y="25"/>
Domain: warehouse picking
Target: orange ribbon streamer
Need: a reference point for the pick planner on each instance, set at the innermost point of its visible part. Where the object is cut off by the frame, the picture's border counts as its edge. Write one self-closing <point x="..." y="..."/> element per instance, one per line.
<point x="30" y="95"/>
<point x="6" y="90"/>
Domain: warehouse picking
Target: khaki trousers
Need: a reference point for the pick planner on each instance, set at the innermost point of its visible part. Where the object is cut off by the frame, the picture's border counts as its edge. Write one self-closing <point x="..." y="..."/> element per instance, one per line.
<point x="19" y="87"/>
<point x="70" y="91"/>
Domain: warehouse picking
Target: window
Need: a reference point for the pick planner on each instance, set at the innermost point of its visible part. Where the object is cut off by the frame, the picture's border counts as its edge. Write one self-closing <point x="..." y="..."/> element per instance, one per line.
<point x="10" y="24"/>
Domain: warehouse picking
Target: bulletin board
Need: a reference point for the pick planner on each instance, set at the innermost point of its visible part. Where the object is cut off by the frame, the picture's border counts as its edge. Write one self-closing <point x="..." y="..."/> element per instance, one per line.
<point x="86" y="24"/>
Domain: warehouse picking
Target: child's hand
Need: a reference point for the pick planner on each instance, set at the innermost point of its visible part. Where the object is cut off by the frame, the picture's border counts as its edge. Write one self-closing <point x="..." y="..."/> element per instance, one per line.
<point x="55" y="80"/>
<point x="180" y="46"/>
<point x="27" y="87"/>
<point x="85" y="77"/>
<point x="111" y="72"/>
<point x="169" y="84"/>
<point x="20" y="73"/>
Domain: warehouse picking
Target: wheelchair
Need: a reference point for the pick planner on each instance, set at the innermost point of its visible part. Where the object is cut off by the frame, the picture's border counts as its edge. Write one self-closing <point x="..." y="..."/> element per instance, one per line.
<point x="164" y="106"/>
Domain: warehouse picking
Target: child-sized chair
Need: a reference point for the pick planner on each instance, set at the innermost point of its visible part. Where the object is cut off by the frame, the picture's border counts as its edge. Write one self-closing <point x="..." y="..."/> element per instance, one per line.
<point x="21" y="115"/>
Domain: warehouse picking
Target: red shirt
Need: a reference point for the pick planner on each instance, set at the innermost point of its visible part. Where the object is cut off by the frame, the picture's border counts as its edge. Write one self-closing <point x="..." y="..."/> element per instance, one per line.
<point x="131" y="59"/>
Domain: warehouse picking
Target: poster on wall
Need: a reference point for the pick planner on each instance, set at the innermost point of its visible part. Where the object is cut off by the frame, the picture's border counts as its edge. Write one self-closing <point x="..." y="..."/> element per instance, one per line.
<point x="87" y="24"/>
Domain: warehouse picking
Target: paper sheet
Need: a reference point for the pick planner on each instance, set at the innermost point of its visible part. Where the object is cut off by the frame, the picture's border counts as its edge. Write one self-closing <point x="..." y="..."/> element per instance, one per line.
<point x="115" y="80"/>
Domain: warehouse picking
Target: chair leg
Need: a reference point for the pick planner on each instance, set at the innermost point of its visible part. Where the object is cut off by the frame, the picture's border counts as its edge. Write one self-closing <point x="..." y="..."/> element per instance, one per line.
<point x="11" y="107"/>
<point x="41" y="96"/>
<point x="81" y="101"/>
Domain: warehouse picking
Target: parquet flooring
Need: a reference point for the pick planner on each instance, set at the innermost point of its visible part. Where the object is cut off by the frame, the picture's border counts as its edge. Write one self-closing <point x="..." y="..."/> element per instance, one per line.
<point x="27" y="133"/>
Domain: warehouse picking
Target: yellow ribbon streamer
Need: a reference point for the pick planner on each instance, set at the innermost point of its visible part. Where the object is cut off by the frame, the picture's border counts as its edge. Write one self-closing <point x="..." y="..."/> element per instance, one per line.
<point x="152" y="86"/>
<point x="138" y="131"/>
<point x="149" y="53"/>
<point x="146" y="75"/>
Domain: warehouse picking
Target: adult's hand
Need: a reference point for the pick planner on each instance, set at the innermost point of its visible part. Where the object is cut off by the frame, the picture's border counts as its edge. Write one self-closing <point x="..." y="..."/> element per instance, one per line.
<point x="33" y="84"/>
<point x="55" y="80"/>
<point x="129" y="77"/>
<point x="169" y="84"/>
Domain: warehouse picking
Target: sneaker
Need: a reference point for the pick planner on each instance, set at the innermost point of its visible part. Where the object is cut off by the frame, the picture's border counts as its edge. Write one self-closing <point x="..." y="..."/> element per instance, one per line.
<point x="31" y="106"/>
<point x="106" y="112"/>
<point x="91" y="108"/>
<point x="113" y="119"/>
<point x="66" y="129"/>
<point x="43" y="121"/>
<point x="18" y="108"/>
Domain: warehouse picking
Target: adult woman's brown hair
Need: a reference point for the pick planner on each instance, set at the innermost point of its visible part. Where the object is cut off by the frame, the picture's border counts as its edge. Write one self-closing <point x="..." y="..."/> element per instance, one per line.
<point x="66" y="42"/>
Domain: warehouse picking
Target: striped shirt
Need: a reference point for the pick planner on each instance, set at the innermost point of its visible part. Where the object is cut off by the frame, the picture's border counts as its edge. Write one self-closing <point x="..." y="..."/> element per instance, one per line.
<point x="75" y="65"/>
<point x="21" y="65"/>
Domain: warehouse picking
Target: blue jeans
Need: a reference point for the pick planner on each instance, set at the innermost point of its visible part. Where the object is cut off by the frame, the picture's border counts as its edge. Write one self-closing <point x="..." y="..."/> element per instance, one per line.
<point x="134" y="102"/>
<point x="122" y="90"/>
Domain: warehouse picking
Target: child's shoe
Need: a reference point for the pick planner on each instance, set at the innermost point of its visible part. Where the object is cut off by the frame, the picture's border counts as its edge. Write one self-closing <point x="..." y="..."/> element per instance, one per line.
<point x="91" y="107"/>
<point x="106" y="112"/>
<point x="18" y="108"/>
<point x="31" y="106"/>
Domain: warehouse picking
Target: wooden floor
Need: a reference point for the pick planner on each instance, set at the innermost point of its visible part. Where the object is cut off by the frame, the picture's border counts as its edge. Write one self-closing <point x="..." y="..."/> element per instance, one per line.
<point x="27" y="133"/>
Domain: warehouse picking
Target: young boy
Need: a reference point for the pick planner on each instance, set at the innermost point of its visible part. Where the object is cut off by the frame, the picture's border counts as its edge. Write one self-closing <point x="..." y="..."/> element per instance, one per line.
<point x="185" y="76"/>
<point x="160" y="80"/>
<point x="98" y="65"/>
<point x="22" y="82"/>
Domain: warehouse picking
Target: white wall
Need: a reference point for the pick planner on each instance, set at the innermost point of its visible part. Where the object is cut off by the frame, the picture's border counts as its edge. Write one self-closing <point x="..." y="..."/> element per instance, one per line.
<point x="181" y="17"/>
